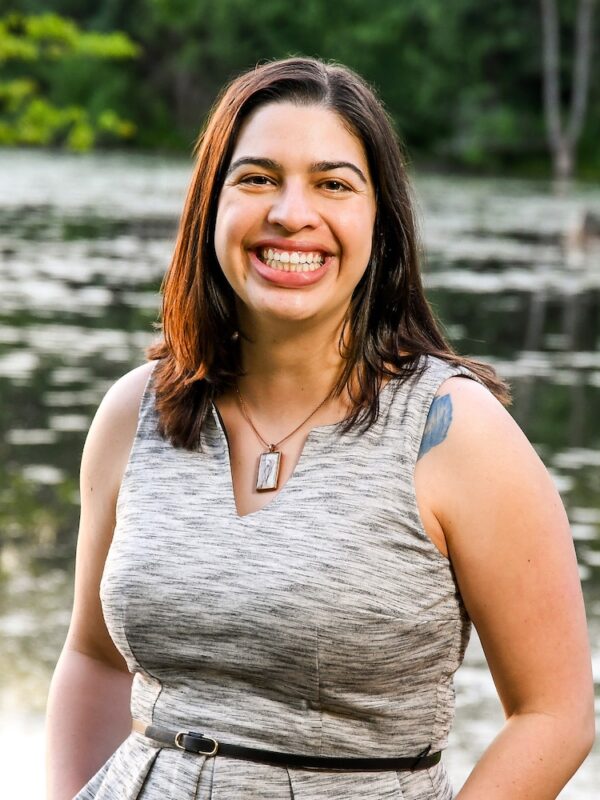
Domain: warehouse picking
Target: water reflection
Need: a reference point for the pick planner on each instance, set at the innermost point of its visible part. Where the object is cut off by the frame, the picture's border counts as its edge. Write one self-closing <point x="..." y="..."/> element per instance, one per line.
<point x="84" y="242"/>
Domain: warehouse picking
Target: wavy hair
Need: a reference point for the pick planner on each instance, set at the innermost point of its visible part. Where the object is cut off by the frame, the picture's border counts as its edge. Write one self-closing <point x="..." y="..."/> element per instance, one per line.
<point x="199" y="353"/>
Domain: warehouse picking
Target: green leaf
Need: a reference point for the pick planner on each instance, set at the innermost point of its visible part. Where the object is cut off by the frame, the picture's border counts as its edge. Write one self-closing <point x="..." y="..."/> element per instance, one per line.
<point x="44" y="27"/>
<point x="13" y="93"/>
<point x="81" y="137"/>
<point x="106" y="45"/>
<point x="110" y="122"/>
<point x="12" y="48"/>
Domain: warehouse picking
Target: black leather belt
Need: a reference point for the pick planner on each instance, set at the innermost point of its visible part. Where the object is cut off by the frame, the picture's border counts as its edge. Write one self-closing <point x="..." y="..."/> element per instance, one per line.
<point x="193" y="742"/>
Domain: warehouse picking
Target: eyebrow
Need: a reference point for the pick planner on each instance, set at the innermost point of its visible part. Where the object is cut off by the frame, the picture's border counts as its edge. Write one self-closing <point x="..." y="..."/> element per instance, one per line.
<point x="275" y="166"/>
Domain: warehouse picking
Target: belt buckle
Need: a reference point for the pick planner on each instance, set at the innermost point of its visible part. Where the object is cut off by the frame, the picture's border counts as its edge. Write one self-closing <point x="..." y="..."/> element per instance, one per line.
<point x="178" y="743"/>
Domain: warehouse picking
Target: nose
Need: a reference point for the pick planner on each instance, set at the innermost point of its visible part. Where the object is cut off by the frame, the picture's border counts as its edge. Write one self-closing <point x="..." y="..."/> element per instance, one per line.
<point x="293" y="208"/>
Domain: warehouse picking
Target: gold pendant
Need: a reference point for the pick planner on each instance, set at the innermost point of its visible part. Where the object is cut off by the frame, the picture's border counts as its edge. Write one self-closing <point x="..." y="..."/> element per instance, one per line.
<point x="268" y="471"/>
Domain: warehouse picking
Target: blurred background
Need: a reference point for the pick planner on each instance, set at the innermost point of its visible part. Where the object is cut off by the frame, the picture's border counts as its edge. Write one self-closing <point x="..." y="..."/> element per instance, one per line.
<point x="100" y="103"/>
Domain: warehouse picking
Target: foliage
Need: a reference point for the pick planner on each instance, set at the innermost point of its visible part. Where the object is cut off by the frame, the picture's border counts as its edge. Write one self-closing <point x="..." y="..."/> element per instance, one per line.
<point x="462" y="80"/>
<point x="44" y="45"/>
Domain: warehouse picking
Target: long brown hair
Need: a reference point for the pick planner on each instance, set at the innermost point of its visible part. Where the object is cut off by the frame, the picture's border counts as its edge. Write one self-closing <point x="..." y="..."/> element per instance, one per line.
<point x="388" y="314"/>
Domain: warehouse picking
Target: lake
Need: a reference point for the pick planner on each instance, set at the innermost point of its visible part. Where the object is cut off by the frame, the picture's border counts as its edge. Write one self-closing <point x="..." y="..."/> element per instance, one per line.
<point x="84" y="242"/>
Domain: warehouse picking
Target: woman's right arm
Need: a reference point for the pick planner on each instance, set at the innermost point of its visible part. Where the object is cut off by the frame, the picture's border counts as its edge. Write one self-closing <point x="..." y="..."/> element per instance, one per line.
<point x="88" y="706"/>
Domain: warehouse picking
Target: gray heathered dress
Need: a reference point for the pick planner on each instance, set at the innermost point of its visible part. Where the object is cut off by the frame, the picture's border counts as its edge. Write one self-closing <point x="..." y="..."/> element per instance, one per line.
<point x="325" y="623"/>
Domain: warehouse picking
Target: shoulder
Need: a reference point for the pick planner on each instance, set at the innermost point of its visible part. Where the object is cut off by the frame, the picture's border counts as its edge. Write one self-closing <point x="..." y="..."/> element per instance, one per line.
<point x="474" y="435"/>
<point x="122" y="401"/>
<point x="112" y="431"/>
<point x="465" y="433"/>
<point x="475" y="420"/>
<point x="454" y="397"/>
<point x="488" y="476"/>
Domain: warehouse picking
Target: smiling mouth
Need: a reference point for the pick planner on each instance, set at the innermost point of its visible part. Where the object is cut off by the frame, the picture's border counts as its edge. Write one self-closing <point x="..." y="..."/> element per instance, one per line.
<point x="291" y="260"/>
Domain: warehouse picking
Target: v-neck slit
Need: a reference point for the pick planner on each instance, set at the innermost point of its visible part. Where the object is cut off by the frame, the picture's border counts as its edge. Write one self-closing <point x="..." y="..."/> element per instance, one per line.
<point x="222" y="432"/>
<point x="312" y="436"/>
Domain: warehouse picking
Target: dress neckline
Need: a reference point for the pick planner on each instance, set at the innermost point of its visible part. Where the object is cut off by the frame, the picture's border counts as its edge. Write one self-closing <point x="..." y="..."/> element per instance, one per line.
<point x="315" y="434"/>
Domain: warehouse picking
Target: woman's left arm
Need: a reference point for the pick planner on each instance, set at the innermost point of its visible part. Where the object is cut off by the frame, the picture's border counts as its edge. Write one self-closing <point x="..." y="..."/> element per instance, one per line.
<point x="511" y="548"/>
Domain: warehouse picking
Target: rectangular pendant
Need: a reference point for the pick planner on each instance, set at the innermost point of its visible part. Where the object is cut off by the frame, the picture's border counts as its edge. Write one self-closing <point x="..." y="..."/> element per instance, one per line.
<point x="268" y="471"/>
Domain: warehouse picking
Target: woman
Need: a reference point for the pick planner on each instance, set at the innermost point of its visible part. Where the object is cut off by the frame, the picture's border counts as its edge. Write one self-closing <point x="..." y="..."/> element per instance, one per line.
<point x="310" y="502"/>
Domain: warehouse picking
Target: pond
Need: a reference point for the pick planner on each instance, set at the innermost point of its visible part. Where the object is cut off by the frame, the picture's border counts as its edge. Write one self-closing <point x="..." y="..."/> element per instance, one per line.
<point x="84" y="242"/>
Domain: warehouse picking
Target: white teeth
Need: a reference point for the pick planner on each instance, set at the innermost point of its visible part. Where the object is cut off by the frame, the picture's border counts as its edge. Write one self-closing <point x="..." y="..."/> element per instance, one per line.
<point x="291" y="261"/>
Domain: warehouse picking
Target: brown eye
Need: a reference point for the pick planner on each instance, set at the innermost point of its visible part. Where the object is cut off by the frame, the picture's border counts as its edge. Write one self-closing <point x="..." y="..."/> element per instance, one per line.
<point x="335" y="186"/>
<point x="256" y="180"/>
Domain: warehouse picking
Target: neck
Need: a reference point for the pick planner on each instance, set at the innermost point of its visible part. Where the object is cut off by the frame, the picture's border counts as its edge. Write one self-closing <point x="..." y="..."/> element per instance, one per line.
<point x="291" y="369"/>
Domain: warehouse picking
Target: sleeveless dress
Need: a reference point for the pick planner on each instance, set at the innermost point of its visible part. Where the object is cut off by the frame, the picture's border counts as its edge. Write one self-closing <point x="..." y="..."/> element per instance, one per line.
<point x="325" y="623"/>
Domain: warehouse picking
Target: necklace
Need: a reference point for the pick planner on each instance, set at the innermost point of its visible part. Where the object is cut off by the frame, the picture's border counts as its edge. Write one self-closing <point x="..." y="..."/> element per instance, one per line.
<point x="267" y="476"/>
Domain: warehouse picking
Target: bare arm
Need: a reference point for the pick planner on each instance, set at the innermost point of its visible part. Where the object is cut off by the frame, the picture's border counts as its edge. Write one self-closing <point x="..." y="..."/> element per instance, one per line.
<point x="88" y="717"/>
<point x="88" y="706"/>
<point x="511" y="548"/>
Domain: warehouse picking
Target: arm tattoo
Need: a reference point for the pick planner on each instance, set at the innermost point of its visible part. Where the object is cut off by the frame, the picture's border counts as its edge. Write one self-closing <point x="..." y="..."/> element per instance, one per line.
<point x="438" y="423"/>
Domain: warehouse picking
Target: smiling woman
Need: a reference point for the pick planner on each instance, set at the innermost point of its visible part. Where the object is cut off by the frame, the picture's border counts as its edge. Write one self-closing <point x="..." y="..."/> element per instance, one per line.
<point x="294" y="513"/>
<point x="325" y="207"/>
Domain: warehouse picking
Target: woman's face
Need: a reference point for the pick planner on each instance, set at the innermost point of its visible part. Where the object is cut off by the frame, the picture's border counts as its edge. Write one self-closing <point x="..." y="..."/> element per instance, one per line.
<point x="295" y="216"/>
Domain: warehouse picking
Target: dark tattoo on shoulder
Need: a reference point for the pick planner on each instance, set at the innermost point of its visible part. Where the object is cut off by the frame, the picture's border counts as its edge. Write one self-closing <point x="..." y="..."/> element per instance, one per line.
<point x="438" y="423"/>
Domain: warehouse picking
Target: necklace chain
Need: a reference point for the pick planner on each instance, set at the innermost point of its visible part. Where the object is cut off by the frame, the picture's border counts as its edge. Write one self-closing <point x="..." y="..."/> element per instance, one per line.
<point x="273" y="447"/>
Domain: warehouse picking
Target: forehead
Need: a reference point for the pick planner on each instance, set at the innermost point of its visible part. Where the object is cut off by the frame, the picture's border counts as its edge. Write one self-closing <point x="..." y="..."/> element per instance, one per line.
<point x="291" y="133"/>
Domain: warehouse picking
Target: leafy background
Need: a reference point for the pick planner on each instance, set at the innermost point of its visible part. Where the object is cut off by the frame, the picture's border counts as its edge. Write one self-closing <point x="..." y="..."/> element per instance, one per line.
<point x="463" y="80"/>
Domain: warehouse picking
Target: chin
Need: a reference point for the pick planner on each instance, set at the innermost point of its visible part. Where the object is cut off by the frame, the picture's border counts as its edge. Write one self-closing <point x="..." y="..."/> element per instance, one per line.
<point x="279" y="312"/>
<point x="288" y="314"/>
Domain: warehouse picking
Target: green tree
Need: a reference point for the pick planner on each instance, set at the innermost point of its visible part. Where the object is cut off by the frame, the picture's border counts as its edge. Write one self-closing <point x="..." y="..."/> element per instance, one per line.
<point x="39" y="52"/>
<point x="463" y="80"/>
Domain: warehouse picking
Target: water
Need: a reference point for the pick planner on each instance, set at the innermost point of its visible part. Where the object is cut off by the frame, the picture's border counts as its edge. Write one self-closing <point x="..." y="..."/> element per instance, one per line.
<point x="84" y="242"/>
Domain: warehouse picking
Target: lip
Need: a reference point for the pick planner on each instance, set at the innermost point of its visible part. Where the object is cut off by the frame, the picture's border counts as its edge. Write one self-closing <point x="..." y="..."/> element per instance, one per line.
<point x="288" y="244"/>
<point x="288" y="279"/>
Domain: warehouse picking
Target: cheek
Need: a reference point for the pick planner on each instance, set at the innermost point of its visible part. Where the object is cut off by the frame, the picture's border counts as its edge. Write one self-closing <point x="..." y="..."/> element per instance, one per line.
<point x="224" y="234"/>
<point x="361" y="239"/>
<point x="232" y="226"/>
